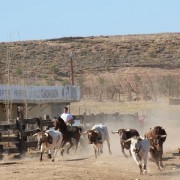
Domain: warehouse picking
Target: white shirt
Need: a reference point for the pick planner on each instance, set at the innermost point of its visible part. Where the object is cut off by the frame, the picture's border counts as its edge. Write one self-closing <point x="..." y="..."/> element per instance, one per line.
<point x="66" y="117"/>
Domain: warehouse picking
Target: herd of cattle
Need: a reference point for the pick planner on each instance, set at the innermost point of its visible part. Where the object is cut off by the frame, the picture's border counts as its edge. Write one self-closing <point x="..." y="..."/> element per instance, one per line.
<point x="130" y="139"/>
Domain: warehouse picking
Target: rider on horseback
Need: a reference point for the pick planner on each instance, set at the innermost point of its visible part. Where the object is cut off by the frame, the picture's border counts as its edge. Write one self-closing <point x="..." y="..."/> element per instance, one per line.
<point x="67" y="117"/>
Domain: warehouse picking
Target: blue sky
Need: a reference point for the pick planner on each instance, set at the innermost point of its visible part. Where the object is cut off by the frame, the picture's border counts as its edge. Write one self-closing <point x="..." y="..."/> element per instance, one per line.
<point x="46" y="19"/>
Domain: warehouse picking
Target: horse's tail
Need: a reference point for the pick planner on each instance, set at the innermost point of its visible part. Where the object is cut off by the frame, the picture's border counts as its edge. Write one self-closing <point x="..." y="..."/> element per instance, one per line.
<point x="80" y="130"/>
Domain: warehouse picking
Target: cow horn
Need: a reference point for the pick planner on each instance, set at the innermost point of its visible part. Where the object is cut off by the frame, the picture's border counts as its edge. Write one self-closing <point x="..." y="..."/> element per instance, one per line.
<point x="128" y="140"/>
<point x="85" y="132"/>
<point x="162" y="136"/>
<point x="113" y="132"/>
<point x="141" y="137"/>
<point x="35" y="134"/>
<point x="46" y="134"/>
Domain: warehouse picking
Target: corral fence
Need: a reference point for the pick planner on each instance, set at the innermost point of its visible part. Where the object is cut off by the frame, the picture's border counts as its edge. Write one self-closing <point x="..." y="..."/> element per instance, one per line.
<point x="17" y="137"/>
<point x="173" y="101"/>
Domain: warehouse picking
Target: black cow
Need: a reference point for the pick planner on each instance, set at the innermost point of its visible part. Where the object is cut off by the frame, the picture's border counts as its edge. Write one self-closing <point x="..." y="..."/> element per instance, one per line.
<point x="124" y="135"/>
<point x="157" y="137"/>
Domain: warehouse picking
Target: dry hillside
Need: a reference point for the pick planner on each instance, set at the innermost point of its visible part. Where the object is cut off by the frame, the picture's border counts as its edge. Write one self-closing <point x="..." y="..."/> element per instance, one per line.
<point x="48" y="61"/>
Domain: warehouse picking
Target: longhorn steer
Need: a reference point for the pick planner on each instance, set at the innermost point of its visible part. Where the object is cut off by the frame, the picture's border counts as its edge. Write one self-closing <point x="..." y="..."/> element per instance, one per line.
<point x="157" y="137"/>
<point x="50" y="140"/>
<point x="139" y="149"/>
<point x="96" y="136"/>
<point x="124" y="135"/>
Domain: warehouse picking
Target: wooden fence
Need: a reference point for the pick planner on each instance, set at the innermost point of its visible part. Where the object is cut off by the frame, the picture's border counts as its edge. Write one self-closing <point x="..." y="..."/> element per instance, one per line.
<point x="18" y="137"/>
<point x="174" y="101"/>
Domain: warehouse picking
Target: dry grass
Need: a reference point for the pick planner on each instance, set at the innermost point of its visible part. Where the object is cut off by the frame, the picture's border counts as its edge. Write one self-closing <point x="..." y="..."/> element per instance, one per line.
<point x="122" y="108"/>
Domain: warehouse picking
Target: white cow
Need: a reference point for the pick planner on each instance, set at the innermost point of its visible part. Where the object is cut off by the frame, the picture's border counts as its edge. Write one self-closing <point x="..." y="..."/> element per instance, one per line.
<point x="50" y="140"/>
<point x="139" y="150"/>
<point x="96" y="136"/>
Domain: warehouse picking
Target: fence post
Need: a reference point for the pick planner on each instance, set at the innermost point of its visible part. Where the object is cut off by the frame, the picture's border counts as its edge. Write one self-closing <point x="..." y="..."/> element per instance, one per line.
<point x="84" y="119"/>
<point x="20" y="134"/>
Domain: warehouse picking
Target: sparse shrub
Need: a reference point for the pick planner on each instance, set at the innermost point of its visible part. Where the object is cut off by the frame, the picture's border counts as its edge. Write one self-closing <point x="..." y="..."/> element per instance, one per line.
<point x="65" y="82"/>
<point x="54" y="69"/>
<point x="19" y="71"/>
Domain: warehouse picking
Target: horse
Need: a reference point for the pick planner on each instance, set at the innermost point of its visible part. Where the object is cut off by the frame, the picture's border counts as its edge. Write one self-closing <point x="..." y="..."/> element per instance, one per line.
<point x="69" y="133"/>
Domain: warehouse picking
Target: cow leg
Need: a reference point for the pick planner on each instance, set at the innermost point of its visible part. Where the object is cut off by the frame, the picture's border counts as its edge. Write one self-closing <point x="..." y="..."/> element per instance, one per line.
<point x="130" y="153"/>
<point x="99" y="151"/>
<point x="62" y="151"/>
<point x="141" y="170"/>
<point x="137" y="159"/>
<point x="145" y="163"/>
<point x="49" y="154"/>
<point x="145" y="169"/>
<point x="122" y="149"/>
<point x="42" y="151"/>
<point x="108" y="143"/>
<point x="95" y="151"/>
<point x="100" y="147"/>
<point x="54" y="155"/>
<point x="160" y="160"/>
<point x="41" y="156"/>
<point x="155" y="157"/>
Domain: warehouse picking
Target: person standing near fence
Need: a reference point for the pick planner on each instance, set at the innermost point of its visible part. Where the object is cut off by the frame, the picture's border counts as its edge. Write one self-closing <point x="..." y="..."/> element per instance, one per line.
<point x="67" y="117"/>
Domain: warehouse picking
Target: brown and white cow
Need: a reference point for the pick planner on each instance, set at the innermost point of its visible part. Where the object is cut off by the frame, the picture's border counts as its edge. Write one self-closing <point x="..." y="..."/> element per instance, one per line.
<point x="157" y="137"/>
<point x="125" y="134"/>
<point x="96" y="136"/>
<point x="50" y="140"/>
<point x="139" y="150"/>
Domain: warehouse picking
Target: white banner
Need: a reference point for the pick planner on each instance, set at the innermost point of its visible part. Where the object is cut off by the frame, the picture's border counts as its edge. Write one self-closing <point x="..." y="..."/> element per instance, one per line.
<point x="39" y="93"/>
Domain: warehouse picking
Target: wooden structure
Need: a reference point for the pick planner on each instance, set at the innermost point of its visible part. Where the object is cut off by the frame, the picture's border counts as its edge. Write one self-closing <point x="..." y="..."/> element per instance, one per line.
<point x="35" y="100"/>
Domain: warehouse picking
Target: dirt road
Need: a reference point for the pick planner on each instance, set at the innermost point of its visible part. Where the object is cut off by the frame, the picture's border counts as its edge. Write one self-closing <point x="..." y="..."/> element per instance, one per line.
<point x="83" y="165"/>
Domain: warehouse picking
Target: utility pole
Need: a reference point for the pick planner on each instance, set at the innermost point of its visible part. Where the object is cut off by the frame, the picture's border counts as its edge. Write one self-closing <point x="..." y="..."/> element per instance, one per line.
<point x="71" y="69"/>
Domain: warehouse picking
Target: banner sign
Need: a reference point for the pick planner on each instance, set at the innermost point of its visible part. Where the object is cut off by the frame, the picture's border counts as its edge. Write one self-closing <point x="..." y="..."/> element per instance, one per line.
<point x="39" y="93"/>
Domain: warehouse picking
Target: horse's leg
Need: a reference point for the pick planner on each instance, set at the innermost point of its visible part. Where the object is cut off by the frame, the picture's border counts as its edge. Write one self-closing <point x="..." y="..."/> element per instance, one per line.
<point x="71" y="144"/>
<point x="62" y="145"/>
<point x="77" y="142"/>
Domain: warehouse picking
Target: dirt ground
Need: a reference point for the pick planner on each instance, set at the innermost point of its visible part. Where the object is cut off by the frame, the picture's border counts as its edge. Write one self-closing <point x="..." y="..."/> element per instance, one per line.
<point x="84" y="166"/>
